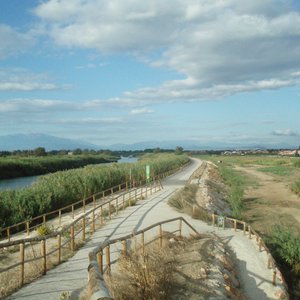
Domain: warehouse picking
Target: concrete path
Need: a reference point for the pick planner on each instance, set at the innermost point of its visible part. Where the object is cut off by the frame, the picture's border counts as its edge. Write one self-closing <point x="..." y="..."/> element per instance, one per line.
<point x="72" y="275"/>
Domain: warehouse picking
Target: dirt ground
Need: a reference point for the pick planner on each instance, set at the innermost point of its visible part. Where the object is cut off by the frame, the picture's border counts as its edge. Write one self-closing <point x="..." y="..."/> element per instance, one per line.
<point x="271" y="201"/>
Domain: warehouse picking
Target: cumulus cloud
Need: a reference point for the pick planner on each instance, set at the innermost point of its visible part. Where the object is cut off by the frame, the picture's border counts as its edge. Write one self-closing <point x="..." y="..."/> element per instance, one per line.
<point x="286" y="132"/>
<point x="220" y="47"/>
<point x="13" y="42"/>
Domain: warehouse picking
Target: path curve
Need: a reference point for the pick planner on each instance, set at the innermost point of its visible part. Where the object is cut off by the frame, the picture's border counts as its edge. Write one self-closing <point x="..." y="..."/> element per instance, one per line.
<point x="72" y="275"/>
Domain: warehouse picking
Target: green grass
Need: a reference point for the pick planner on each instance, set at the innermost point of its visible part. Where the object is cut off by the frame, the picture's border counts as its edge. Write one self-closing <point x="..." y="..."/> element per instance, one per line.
<point x="281" y="170"/>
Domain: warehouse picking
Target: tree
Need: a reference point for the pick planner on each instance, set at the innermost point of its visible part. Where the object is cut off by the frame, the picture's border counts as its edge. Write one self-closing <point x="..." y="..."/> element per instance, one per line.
<point x="40" y="151"/>
<point x="178" y="150"/>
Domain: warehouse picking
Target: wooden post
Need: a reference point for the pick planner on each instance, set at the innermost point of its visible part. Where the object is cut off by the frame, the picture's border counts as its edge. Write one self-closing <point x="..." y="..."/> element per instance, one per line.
<point x="59" y="248"/>
<point x="124" y="247"/>
<point x="151" y="188"/>
<point x="117" y="204"/>
<point x="120" y="188"/>
<point x="100" y="260"/>
<point x="244" y="228"/>
<point x="111" y="191"/>
<point x="73" y="212"/>
<point x="260" y="244"/>
<point x="213" y="219"/>
<point x="109" y="211"/>
<point x="143" y="243"/>
<point x="103" y="194"/>
<point x="107" y="255"/>
<point x="22" y="258"/>
<point x="27" y="227"/>
<point x="93" y="221"/>
<point x="8" y="233"/>
<point x="44" y="220"/>
<point x="59" y="217"/>
<point x="274" y="277"/>
<point x="234" y="225"/>
<point x="72" y="238"/>
<point x="146" y="189"/>
<point x="180" y="228"/>
<point x="94" y="201"/>
<point x="269" y="262"/>
<point x="83" y="202"/>
<point x="44" y="257"/>
<point x="249" y="229"/>
<point x="123" y="201"/>
<point x="101" y="214"/>
<point x="160" y="236"/>
<point x="224" y="220"/>
<point x="135" y="194"/>
<point x="83" y="228"/>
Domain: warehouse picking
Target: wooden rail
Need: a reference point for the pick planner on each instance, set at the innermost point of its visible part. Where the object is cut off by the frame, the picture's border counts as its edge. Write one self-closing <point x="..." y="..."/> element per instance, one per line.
<point x="248" y="230"/>
<point x="33" y="223"/>
<point x="69" y="233"/>
<point x="98" y="265"/>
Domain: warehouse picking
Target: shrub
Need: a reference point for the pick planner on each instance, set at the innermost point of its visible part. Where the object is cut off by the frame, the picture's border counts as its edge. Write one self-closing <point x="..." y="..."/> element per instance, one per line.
<point x="286" y="245"/>
<point x="43" y="230"/>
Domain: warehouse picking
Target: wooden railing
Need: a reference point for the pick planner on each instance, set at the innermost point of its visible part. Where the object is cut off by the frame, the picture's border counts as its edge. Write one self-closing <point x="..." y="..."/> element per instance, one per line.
<point x="247" y="229"/>
<point x="33" y="223"/>
<point x="100" y="258"/>
<point x="68" y="234"/>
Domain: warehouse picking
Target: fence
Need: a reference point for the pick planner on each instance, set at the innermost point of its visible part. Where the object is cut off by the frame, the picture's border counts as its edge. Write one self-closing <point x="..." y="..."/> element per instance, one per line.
<point x="100" y="258"/>
<point x="224" y="221"/>
<point x="68" y="234"/>
<point x="33" y="223"/>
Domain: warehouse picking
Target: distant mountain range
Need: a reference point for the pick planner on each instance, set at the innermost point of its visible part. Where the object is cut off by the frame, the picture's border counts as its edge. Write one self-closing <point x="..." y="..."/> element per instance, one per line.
<point x="32" y="141"/>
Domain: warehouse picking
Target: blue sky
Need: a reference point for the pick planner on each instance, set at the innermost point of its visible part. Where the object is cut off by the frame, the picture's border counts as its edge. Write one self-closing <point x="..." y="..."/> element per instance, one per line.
<point x="115" y="71"/>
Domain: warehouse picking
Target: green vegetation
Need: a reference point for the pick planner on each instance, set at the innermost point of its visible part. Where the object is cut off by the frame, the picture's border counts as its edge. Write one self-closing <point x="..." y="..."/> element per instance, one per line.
<point x="296" y="187"/>
<point x="59" y="189"/>
<point x="236" y="183"/>
<point x="286" y="245"/>
<point x="19" y="166"/>
<point x="280" y="170"/>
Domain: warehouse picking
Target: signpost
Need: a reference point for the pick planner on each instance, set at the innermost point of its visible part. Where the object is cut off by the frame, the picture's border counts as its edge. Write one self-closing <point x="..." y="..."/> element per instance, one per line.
<point x="148" y="173"/>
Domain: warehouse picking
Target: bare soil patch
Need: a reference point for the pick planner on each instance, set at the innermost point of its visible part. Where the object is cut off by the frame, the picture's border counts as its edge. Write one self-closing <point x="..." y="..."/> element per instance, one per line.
<point x="271" y="202"/>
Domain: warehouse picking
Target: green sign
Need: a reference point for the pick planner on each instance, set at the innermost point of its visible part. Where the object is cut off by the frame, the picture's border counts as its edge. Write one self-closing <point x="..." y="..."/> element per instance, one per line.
<point x="148" y="172"/>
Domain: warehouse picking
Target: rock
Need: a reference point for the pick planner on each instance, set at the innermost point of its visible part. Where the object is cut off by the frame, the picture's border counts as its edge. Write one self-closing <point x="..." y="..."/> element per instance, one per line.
<point x="228" y="264"/>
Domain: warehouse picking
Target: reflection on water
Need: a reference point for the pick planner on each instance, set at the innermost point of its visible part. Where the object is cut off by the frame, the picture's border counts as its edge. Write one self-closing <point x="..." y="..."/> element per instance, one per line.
<point x="17" y="183"/>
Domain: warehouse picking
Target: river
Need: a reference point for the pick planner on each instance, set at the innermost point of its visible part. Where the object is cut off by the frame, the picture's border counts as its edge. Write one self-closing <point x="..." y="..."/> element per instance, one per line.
<point x="21" y="182"/>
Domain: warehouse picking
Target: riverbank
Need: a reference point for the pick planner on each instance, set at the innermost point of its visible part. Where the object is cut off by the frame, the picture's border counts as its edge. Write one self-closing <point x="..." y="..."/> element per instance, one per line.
<point x="18" y="166"/>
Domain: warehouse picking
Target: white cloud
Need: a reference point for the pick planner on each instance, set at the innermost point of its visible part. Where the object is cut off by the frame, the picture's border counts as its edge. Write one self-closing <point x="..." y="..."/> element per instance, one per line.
<point x="13" y="42"/>
<point x="34" y="106"/>
<point x="16" y="79"/>
<point x="141" y="111"/>
<point x="286" y="132"/>
<point x="221" y="47"/>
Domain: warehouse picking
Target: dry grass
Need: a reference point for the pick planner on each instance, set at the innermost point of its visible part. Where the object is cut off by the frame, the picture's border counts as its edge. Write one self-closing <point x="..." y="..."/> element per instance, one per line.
<point x="143" y="277"/>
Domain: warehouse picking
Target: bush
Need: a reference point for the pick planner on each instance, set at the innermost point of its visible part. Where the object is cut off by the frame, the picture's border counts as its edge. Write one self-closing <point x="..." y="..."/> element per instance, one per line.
<point x="286" y="245"/>
<point x="43" y="230"/>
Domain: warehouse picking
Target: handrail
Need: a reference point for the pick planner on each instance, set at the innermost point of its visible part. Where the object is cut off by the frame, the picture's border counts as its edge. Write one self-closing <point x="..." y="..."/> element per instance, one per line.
<point x="118" y="202"/>
<point x="96" y="283"/>
<point x="271" y="263"/>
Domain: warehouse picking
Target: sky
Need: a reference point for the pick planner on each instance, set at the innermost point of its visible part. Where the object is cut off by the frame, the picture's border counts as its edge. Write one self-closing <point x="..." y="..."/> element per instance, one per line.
<point x="115" y="71"/>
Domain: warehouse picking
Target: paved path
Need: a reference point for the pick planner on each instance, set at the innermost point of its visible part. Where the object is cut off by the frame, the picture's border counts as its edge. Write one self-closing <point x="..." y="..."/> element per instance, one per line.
<point x="72" y="275"/>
